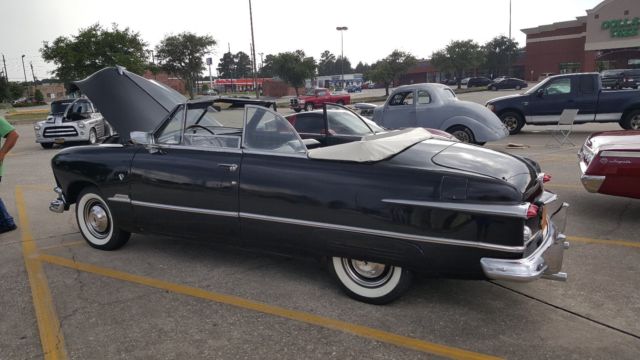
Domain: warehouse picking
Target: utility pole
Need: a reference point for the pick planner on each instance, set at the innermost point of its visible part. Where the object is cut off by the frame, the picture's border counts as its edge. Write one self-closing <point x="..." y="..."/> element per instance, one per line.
<point x="6" y="75"/>
<point x="253" y="54"/>
<point x="32" y="73"/>
<point x="25" y="75"/>
<point x="342" y="29"/>
<point x="509" y="19"/>
<point x="261" y="60"/>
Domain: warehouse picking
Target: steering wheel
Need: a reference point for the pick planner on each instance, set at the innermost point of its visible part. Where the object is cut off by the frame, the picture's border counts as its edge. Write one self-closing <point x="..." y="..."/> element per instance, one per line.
<point x="197" y="126"/>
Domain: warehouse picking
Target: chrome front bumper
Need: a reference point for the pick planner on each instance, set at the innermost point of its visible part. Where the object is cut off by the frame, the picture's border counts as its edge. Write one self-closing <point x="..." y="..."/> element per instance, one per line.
<point x="545" y="262"/>
<point x="591" y="183"/>
<point x="58" y="205"/>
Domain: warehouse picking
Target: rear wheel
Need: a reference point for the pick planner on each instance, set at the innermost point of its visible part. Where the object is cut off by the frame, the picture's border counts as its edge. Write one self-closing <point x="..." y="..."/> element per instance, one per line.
<point x="462" y="133"/>
<point x="513" y="121"/>
<point x="518" y="87"/>
<point x="308" y="107"/>
<point x="631" y="121"/>
<point x="493" y="88"/>
<point x="96" y="222"/>
<point x="46" y="145"/>
<point x="370" y="282"/>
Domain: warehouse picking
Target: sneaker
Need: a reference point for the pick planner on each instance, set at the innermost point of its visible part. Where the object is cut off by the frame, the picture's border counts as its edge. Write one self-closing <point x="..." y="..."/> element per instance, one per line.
<point x="8" y="228"/>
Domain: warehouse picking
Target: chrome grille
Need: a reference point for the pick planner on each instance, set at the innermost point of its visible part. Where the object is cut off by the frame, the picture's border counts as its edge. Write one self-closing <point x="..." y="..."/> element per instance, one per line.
<point x="60" y="131"/>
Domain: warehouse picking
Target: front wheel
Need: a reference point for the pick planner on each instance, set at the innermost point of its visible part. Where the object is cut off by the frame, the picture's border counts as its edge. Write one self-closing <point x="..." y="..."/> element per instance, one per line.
<point x="96" y="222"/>
<point x="462" y="133"/>
<point x="631" y="121"/>
<point x="93" y="136"/>
<point x="370" y="282"/>
<point x="513" y="121"/>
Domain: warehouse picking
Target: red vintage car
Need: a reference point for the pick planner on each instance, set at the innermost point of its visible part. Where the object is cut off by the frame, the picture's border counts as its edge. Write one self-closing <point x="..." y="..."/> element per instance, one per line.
<point x="610" y="163"/>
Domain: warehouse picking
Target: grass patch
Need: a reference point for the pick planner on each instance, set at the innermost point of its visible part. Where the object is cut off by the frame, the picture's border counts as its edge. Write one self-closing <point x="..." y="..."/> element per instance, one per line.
<point x="26" y="116"/>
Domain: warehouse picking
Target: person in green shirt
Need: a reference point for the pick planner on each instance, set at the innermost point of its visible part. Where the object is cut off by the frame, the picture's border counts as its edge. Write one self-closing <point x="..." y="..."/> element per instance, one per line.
<point x="10" y="136"/>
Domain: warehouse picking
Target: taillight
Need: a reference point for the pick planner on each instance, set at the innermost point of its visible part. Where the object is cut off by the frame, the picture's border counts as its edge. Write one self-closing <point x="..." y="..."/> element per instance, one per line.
<point x="532" y="211"/>
<point x="546" y="178"/>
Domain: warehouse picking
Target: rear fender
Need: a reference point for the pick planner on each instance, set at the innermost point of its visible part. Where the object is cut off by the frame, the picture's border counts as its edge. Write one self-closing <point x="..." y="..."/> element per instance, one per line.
<point x="481" y="132"/>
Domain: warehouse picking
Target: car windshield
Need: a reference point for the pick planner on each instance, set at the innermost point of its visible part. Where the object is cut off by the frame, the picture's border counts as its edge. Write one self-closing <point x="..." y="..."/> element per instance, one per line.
<point x="310" y="92"/>
<point x="59" y="107"/>
<point x="343" y="122"/>
<point x="534" y="89"/>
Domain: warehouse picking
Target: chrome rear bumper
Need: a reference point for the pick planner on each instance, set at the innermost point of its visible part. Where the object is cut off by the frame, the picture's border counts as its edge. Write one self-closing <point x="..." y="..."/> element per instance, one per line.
<point x="545" y="262"/>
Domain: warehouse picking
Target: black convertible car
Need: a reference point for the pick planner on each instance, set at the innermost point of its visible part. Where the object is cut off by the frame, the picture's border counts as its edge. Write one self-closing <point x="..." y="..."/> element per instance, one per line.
<point x="379" y="206"/>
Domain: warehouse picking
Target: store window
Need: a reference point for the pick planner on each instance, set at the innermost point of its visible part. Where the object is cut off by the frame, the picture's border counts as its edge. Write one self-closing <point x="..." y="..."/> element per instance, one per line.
<point x="570" y="67"/>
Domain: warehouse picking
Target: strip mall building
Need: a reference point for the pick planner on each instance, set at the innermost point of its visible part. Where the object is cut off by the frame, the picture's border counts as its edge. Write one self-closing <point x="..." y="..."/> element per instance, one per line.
<point x="608" y="37"/>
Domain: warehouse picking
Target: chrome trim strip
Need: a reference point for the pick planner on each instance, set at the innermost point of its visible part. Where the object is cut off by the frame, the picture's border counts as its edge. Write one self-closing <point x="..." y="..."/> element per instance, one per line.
<point x="629" y="154"/>
<point x="185" y="209"/>
<point x="201" y="148"/>
<point x="403" y="236"/>
<point x="548" y="197"/>
<point x="120" y="198"/>
<point x="519" y="210"/>
<point x="275" y="153"/>
<point x="608" y="117"/>
<point x="111" y="145"/>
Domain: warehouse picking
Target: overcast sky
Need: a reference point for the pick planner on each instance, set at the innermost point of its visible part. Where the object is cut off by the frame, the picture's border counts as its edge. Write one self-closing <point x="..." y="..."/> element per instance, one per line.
<point x="375" y="27"/>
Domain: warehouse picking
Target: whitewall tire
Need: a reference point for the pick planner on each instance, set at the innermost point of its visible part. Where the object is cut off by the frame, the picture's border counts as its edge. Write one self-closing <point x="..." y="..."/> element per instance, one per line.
<point x="370" y="282"/>
<point x="96" y="223"/>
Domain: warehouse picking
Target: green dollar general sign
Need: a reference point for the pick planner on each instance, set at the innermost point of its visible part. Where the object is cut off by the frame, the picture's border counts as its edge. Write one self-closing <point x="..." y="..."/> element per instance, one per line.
<point x="623" y="27"/>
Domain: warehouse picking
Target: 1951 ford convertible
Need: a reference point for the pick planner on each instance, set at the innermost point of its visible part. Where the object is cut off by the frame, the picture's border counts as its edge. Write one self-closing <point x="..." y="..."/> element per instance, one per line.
<point x="378" y="208"/>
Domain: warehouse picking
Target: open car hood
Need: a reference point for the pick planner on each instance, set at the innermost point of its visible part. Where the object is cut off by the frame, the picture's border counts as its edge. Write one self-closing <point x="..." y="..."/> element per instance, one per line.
<point x="128" y="101"/>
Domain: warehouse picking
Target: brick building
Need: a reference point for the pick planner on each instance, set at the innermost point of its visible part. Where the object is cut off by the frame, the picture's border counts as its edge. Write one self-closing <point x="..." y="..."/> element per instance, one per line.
<point x="607" y="37"/>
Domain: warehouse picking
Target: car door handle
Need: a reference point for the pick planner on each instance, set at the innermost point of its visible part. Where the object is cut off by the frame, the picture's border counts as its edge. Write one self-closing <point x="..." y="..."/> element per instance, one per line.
<point x="230" y="167"/>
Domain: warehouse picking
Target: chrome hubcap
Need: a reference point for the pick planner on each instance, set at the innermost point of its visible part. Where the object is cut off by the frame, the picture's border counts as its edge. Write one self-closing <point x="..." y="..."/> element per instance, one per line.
<point x="510" y="122"/>
<point x="462" y="136"/>
<point x="635" y="123"/>
<point x="97" y="220"/>
<point x="92" y="137"/>
<point x="367" y="273"/>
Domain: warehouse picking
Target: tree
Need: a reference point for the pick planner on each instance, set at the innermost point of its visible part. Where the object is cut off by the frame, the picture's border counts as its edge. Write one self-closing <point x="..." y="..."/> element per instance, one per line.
<point x="458" y="56"/>
<point x="362" y="68"/>
<point x="266" y="71"/>
<point x="38" y="96"/>
<point x="327" y="63"/>
<point x="226" y="66"/>
<point x="389" y="69"/>
<point x="294" y="68"/>
<point x="338" y="69"/>
<point x="500" y="53"/>
<point x="5" y="95"/>
<point x="94" y="48"/>
<point x="243" y="65"/>
<point x="182" y="55"/>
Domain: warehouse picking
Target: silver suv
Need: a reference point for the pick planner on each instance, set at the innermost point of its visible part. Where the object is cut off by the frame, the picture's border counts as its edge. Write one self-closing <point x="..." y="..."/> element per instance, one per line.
<point x="71" y="120"/>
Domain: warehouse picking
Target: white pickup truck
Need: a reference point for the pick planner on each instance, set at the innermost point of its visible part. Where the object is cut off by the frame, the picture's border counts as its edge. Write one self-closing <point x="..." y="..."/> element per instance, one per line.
<point x="71" y="120"/>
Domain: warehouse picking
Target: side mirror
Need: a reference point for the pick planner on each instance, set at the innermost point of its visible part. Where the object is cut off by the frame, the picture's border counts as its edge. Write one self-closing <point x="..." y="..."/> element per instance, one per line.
<point x="540" y="92"/>
<point x="141" y="137"/>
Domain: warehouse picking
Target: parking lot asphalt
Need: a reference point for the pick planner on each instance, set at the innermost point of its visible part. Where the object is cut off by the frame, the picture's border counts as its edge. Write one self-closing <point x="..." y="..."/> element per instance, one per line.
<point x="167" y="298"/>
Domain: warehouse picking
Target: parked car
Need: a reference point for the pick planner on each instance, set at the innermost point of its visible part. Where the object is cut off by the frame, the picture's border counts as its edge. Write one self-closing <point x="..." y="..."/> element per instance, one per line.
<point x="620" y="78"/>
<point x="543" y="103"/>
<point x="435" y="106"/>
<point x="508" y="83"/>
<point x="71" y="121"/>
<point x="336" y="124"/>
<point x="610" y="163"/>
<point x="378" y="209"/>
<point x="478" y="81"/>
<point x="315" y="98"/>
<point x="464" y="81"/>
<point x="354" y="88"/>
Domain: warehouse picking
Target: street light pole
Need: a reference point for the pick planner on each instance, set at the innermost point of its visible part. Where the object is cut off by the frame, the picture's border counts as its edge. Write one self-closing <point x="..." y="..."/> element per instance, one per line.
<point x="253" y="54"/>
<point x="25" y="75"/>
<point x="342" y="29"/>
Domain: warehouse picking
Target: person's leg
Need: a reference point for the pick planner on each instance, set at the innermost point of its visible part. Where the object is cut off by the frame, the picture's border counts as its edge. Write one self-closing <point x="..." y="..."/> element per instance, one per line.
<point x="6" y="221"/>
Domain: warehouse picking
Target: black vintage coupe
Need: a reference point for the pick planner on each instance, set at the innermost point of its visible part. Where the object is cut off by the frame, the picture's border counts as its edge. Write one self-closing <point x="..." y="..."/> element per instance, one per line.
<point x="378" y="206"/>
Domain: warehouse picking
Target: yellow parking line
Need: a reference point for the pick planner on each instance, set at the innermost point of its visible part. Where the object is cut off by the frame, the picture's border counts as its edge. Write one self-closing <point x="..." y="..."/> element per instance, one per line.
<point x="363" y="331"/>
<point x="633" y="244"/>
<point x="63" y="245"/>
<point x="51" y="337"/>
